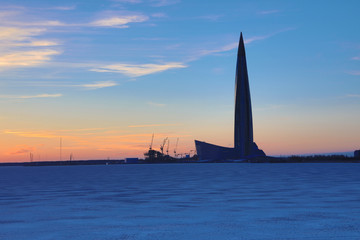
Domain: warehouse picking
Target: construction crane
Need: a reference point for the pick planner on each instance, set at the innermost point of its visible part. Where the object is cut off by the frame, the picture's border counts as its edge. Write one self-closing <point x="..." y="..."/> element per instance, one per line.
<point x="167" y="150"/>
<point x="177" y="141"/>
<point x="152" y="140"/>
<point x="162" y="145"/>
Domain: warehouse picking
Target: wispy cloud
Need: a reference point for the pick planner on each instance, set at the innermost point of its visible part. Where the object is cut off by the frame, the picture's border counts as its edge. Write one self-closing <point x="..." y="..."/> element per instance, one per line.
<point x="158" y="15"/>
<point x="355" y="73"/>
<point x="21" y="149"/>
<point x="119" y="21"/>
<point x="162" y="3"/>
<point x="98" y="85"/>
<point x="153" y="125"/>
<point x="88" y="86"/>
<point x="65" y="8"/>
<point x="156" y="104"/>
<point x="154" y="3"/>
<point x="32" y="134"/>
<point x="20" y="48"/>
<point x="115" y="19"/>
<point x="257" y="38"/>
<point x="80" y="135"/>
<point x="225" y="48"/>
<point x="137" y="70"/>
<point x="45" y="23"/>
<point x="67" y="133"/>
<point x="234" y="45"/>
<point x="81" y="130"/>
<point x="353" y="95"/>
<point x="128" y="1"/>
<point x="355" y="58"/>
<point x="267" y="12"/>
<point x="26" y="58"/>
<point x="14" y="34"/>
<point x="37" y="43"/>
<point x="44" y="95"/>
<point x="152" y="39"/>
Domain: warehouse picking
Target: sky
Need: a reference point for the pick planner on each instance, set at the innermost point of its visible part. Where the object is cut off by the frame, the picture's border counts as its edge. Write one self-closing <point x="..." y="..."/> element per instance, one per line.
<point x="103" y="76"/>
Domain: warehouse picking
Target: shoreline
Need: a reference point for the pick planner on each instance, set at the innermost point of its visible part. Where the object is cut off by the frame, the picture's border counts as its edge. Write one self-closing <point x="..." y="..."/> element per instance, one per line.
<point x="291" y="159"/>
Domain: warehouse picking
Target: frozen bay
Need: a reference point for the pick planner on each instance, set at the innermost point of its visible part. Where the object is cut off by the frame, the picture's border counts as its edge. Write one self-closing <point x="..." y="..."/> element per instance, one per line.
<point x="181" y="201"/>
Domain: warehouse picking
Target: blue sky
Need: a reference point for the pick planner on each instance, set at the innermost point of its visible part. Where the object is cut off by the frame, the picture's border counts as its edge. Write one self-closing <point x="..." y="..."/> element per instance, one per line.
<point x="105" y="75"/>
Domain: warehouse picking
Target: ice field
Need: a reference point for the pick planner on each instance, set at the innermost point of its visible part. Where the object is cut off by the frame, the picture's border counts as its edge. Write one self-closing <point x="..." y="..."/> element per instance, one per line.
<point x="181" y="201"/>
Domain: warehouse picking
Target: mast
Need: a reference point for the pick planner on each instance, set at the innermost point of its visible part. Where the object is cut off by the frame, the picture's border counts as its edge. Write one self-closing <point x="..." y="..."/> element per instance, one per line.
<point x="60" y="148"/>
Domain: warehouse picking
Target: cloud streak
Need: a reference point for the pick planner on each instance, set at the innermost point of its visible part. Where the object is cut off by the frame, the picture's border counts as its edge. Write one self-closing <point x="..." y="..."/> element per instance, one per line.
<point x="267" y="12"/>
<point x="65" y="8"/>
<point x="137" y="70"/>
<point x="26" y="58"/>
<point x="15" y="34"/>
<point x="234" y="45"/>
<point x="162" y="3"/>
<point x="353" y="95"/>
<point x="44" y="95"/>
<point x="40" y="134"/>
<point x="21" y="150"/>
<point x="119" y="21"/>
<point x="98" y="85"/>
<point x="128" y="1"/>
<point x="355" y="73"/>
<point x="110" y="19"/>
<point x="21" y="49"/>
<point x="153" y="125"/>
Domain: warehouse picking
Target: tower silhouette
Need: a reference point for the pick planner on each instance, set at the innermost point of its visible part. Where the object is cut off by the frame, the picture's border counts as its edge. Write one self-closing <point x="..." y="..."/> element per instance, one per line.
<point x="243" y="128"/>
<point x="244" y="145"/>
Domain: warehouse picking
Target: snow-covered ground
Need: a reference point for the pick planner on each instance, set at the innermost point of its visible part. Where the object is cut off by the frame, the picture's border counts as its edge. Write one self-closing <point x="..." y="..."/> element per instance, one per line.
<point x="181" y="201"/>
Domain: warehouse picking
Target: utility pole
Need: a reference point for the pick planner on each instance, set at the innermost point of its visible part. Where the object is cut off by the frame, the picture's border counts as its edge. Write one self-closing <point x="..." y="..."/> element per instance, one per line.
<point x="60" y="148"/>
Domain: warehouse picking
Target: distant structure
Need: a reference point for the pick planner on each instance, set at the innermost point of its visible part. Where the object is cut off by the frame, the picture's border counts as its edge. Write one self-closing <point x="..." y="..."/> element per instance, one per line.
<point x="131" y="160"/>
<point x="244" y="145"/>
<point x="357" y="154"/>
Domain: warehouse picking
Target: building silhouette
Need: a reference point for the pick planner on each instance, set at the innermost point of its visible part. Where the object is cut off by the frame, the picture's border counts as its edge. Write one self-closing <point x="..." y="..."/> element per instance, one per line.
<point x="244" y="145"/>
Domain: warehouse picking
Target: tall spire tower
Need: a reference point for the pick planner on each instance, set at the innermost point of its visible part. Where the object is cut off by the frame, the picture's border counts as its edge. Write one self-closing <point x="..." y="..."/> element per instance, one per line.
<point x="244" y="145"/>
<point x="243" y="139"/>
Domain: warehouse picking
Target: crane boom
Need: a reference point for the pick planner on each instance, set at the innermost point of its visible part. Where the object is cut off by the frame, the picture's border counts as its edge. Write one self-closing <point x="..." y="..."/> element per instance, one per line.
<point x="177" y="141"/>
<point x="167" y="150"/>
<point x="162" y="145"/>
<point x="152" y="140"/>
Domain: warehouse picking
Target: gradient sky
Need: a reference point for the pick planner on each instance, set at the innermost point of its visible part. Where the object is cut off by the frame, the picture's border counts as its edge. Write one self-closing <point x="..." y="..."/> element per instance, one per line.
<point x="105" y="75"/>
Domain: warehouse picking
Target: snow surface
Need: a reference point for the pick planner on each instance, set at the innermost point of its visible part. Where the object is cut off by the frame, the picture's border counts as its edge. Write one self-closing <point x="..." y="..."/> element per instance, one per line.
<point x="181" y="201"/>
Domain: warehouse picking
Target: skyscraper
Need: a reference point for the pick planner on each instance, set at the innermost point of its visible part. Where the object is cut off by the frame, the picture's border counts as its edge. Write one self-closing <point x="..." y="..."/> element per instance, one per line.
<point x="244" y="145"/>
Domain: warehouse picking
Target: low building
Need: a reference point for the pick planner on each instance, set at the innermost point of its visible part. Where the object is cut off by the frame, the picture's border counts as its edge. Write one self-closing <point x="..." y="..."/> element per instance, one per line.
<point x="131" y="160"/>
